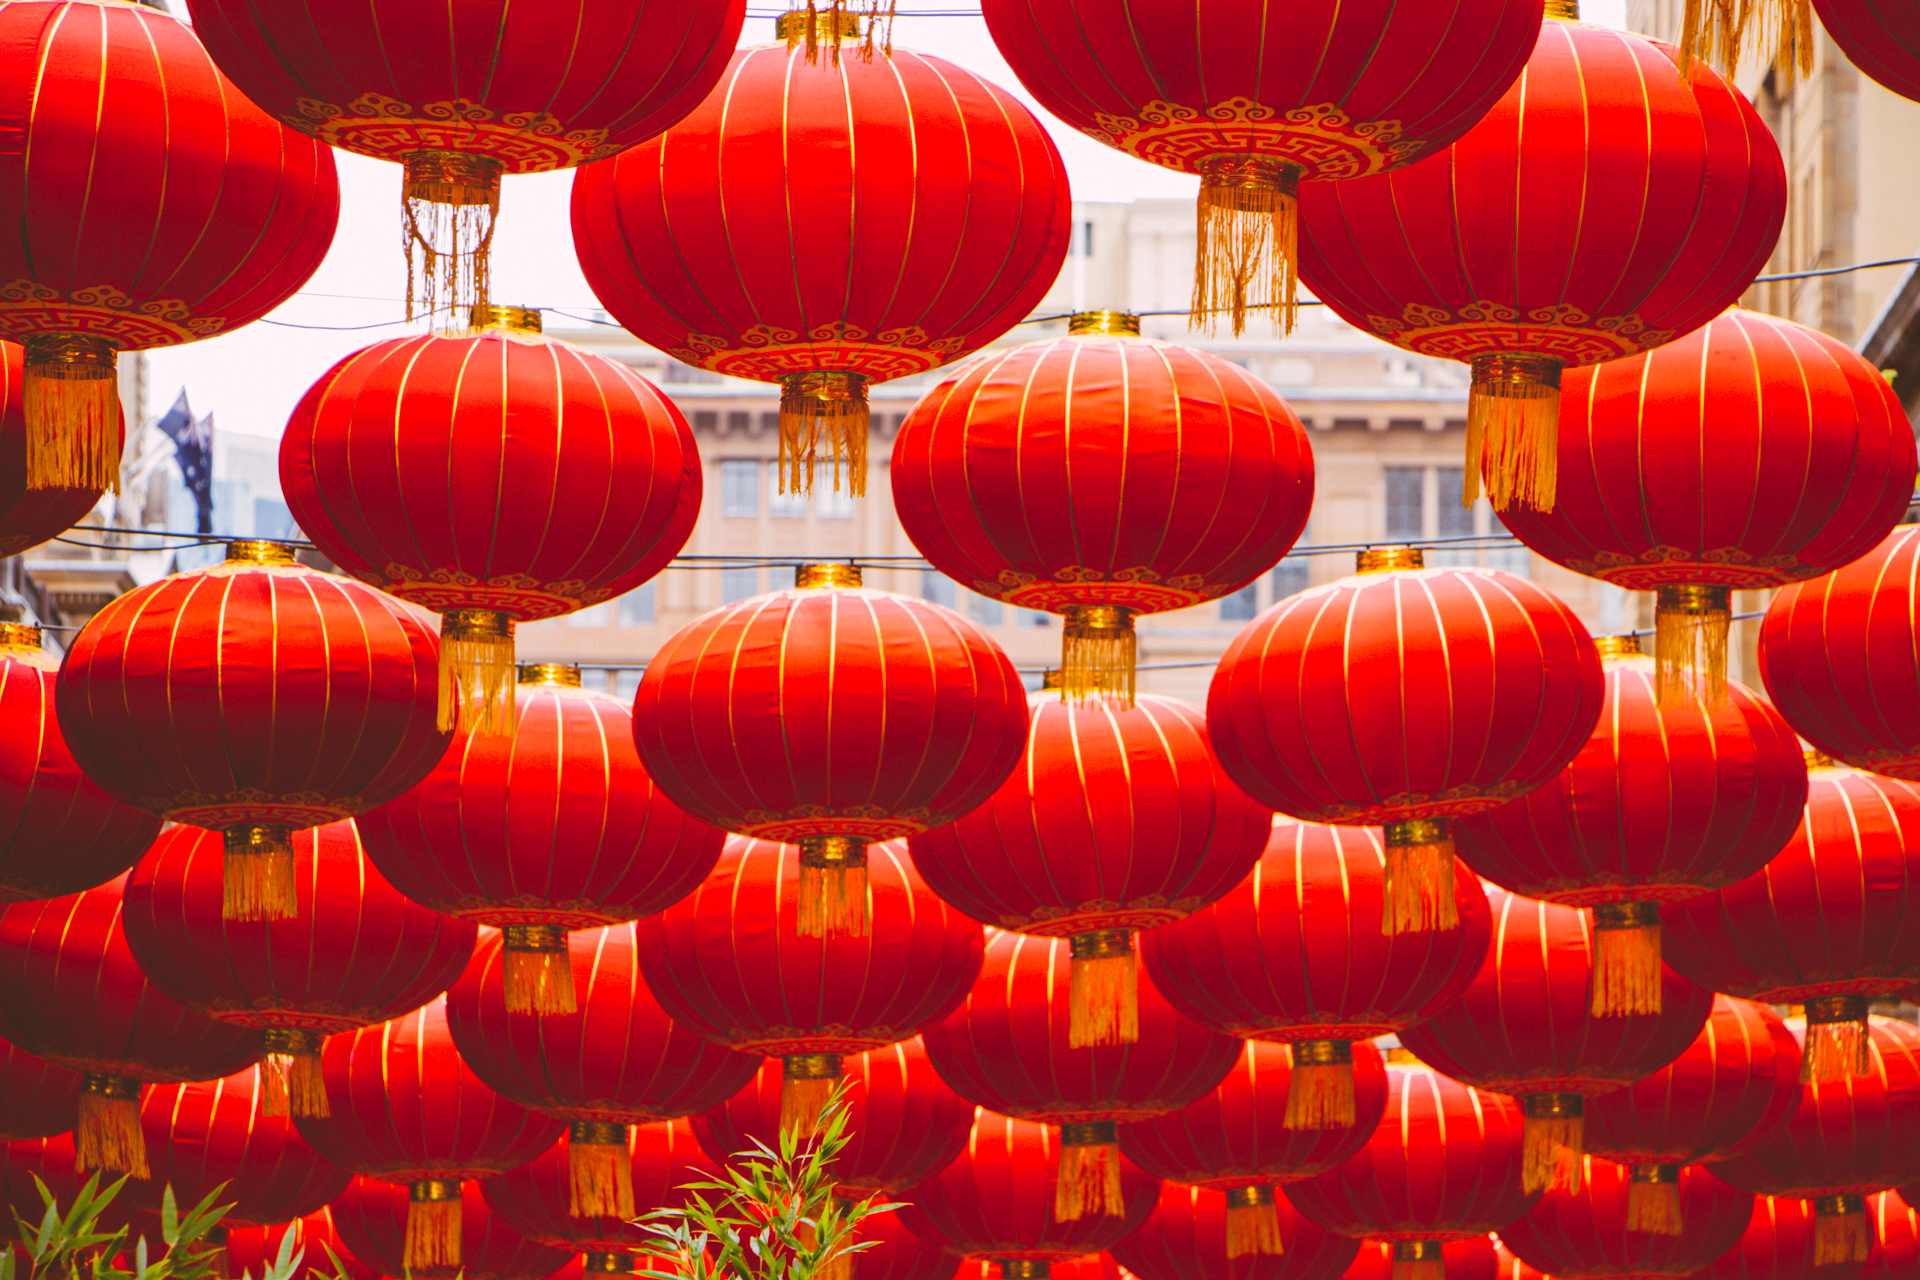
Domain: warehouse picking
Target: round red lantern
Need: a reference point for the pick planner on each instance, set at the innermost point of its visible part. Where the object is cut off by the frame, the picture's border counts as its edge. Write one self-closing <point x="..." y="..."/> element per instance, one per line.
<point x="30" y="516"/>
<point x="1009" y="1046"/>
<point x="898" y="1254"/>
<point x="322" y="1255"/>
<point x="830" y="716"/>
<point x="1117" y="820"/>
<point x="1188" y="1237"/>
<point x="1778" y="1245"/>
<point x="1407" y="697"/>
<point x="1475" y="1258"/>
<point x="1837" y="657"/>
<point x="1236" y="1139"/>
<point x="1255" y="99"/>
<point x="555" y="827"/>
<point x="688" y="240"/>
<point x="1824" y="923"/>
<point x="1670" y="798"/>
<point x="1848" y="1139"/>
<point x="615" y="1061"/>
<point x="1588" y="1234"/>
<point x="37" y="1099"/>
<point x="1607" y="204"/>
<point x="1896" y="1237"/>
<point x="1880" y="37"/>
<point x="1101" y="476"/>
<point x="541" y="1198"/>
<point x="356" y="952"/>
<point x="53" y="1163"/>
<point x="731" y="961"/>
<point x="253" y="698"/>
<point x="151" y="205"/>
<point x="71" y="992"/>
<point x="479" y="475"/>
<point x="404" y="1108"/>
<point x="1298" y="954"/>
<point x="1526" y="1027"/>
<point x="375" y="1221"/>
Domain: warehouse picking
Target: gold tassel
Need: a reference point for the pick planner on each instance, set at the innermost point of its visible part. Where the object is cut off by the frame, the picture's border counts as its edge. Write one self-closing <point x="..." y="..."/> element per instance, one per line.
<point x="806" y="1082"/>
<point x="108" y="1136"/>
<point x="433" y="1225"/>
<point x="477" y="672"/>
<point x="1513" y="430"/>
<point x="1715" y="31"/>
<point x="1837" y="1040"/>
<point x="73" y="418"/>
<point x="1098" y="653"/>
<point x="1552" y="1141"/>
<point x="1653" y="1200"/>
<point x="1690" y="627"/>
<point x="290" y="1079"/>
<point x="1626" y="958"/>
<point x="599" y="1172"/>
<point x="1245" y="251"/>
<point x="838" y="1267"/>
<point x="1089" y="1182"/>
<point x="825" y="407"/>
<point x="1841" y="1232"/>
<point x="257" y="875"/>
<point x="836" y="24"/>
<point x="1418" y="1260"/>
<point x="833" y="887"/>
<point x="1419" y="882"/>
<point x="1320" y="1087"/>
<point x="537" y="970"/>
<point x="449" y="200"/>
<point x="1253" y="1222"/>
<point x="1103" y="994"/>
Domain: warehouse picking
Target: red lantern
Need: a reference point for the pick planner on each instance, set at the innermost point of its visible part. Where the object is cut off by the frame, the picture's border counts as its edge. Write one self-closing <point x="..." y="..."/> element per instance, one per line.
<point x="617" y="1060"/>
<point x="460" y="96"/>
<point x="37" y="1099"/>
<point x="996" y="1201"/>
<point x="1589" y="1234"/>
<point x="1812" y="462"/>
<point x="1092" y="1266"/>
<point x="731" y="961"/>
<point x="1848" y="1139"/>
<point x="1725" y="1094"/>
<point x="555" y="827"/>
<point x="1407" y="697"/>
<point x="150" y="205"/>
<point x="64" y="833"/>
<point x="1189" y="1237"/>
<point x="1255" y="99"/>
<point x="405" y="1109"/>
<point x="688" y="240"/>
<point x="1475" y="1258"/>
<point x="1526" y="1028"/>
<point x="479" y="476"/>
<point x="1880" y="37"/>
<point x="71" y="992"/>
<point x="253" y="698"/>
<point x="1669" y="799"/>
<point x="1824" y="923"/>
<point x="1101" y="476"/>
<point x="30" y="516"/>
<point x="1236" y="1139"/>
<point x="54" y="1162"/>
<point x="1606" y="205"/>
<point x="1896" y="1237"/>
<point x="375" y="1221"/>
<point x="1297" y="954"/>
<point x="1837" y="657"/>
<point x="1117" y="820"/>
<point x="1778" y="1245"/>
<point x="323" y="1256"/>
<point x="903" y="1123"/>
<point x="356" y="953"/>
<point x="898" y="1254"/>
<point x="830" y="716"/>
<point x="541" y="1200"/>
<point x="1009" y="1047"/>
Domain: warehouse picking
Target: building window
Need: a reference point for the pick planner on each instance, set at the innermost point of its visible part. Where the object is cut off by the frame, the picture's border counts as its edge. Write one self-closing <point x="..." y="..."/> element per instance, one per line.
<point x="706" y="420"/>
<point x="626" y="685"/>
<point x="739" y="420"/>
<point x="636" y="607"/>
<point x="783" y="506"/>
<point x="1406" y="502"/>
<point x="985" y="611"/>
<point x="1455" y="520"/>
<point x="770" y="422"/>
<point x="1085" y="248"/>
<point x="738" y="584"/>
<point x="1241" y="605"/>
<point x="833" y="504"/>
<point x="739" y="487"/>
<point x="1291" y="576"/>
<point x="937" y="587"/>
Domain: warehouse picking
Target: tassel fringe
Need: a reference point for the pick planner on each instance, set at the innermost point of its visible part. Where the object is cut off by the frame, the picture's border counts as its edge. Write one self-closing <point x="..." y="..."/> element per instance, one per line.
<point x="1626" y="968"/>
<point x="1098" y="655"/>
<point x="823" y="411"/>
<point x="1419" y="1269"/>
<point x="600" y="1180"/>
<point x="1550" y="1153"/>
<point x="835" y="21"/>
<point x="1247" y="247"/>
<point x="805" y="1086"/>
<point x="446" y="232"/>
<point x="1419" y="880"/>
<point x="477" y="672"/>
<point x="108" y="1136"/>
<point x="291" y="1084"/>
<point x="1691" y="626"/>
<point x="1835" y="1051"/>
<point x="1089" y="1183"/>
<point x="833" y="901"/>
<point x="1254" y="1228"/>
<point x="73" y="427"/>
<point x="1654" y="1208"/>
<point x="1320" y="1096"/>
<point x="1715" y="31"/>
<point x="257" y="877"/>
<point x="1513" y="428"/>
<point x="1841" y="1237"/>
<point x="433" y="1234"/>
<point x="539" y="980"/>
<point x="1103" y="997"/>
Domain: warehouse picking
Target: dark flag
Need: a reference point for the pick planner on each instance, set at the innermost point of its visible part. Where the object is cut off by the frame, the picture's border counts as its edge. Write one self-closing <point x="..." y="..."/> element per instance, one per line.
<point x="193" y="448"/>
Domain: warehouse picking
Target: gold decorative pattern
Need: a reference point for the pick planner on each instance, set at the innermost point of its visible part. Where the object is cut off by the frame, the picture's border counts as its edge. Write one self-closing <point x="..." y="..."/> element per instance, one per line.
<point x="382" y="127"/>
<point x="1321" y="139"/>
<point x="252" y="806"/>
<point x="769" y="353"/>
<point x="525" y="598"/>
<point x="1139" y="588"/>
<point x="1665" y="566"/>
<point x="106" y="312"/>
<point x="1484" y="328"/>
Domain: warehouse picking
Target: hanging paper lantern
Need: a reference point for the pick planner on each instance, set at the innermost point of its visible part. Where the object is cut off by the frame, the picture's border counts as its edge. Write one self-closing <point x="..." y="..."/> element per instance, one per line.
<point x="1009" y="1046"/>
<point x="996" y="1202"/>
<point x="494" y="477"/>
<point x="1778" y="1245"/>
<point x="71" y="992"/>
<point x="1407" y="697"/>
<point x="1725" y="1094"/>
<point x="355" y="953"/>
<point x="896" y="1253"/>
<point x="1881" y="38"/>
<point x="1101" y="476"/>
<point x="1475" y="1258"/>
<point x="1824" y="923"/>
<point x="1609" y="203"/>
<point x="1298" y="954"/>
<point x="1256" y="99"/>
<point x="375" y="1221"/>
<point x="1093" y="1266"/>
<point x="253" y="698"/>
<point x="323" y="1256"/>
<point x="556" y="827"/>
<point x="615" y="1061"/>
<point x="1235" y="1140"/>
<point x="1848" y="1139"/>
<point x="54" y="1162"/>
<point x="830" y="716"/>
<point x="1589" y="1234"/>
<point x="689" y="240"/>
<point x="1188" y="1238"/>
<point x="404" y="1108"/>
<point x="462" y="96"/>
<point x="1669" y="799"/>
<point x="731" y="961"/>
<point x="150" y="204"/>
<point x="1116" y="821"/>
<point x="37" y="1099"/>
<point x="1896" y="1237"/>
<point x="30" y="516"/>
<point x="1526" y="1028"/>
<point x="1837" y="655"/>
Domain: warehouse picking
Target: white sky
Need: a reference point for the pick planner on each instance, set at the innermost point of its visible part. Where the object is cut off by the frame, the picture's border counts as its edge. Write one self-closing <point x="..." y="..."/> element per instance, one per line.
<point x="251" y="379"/>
